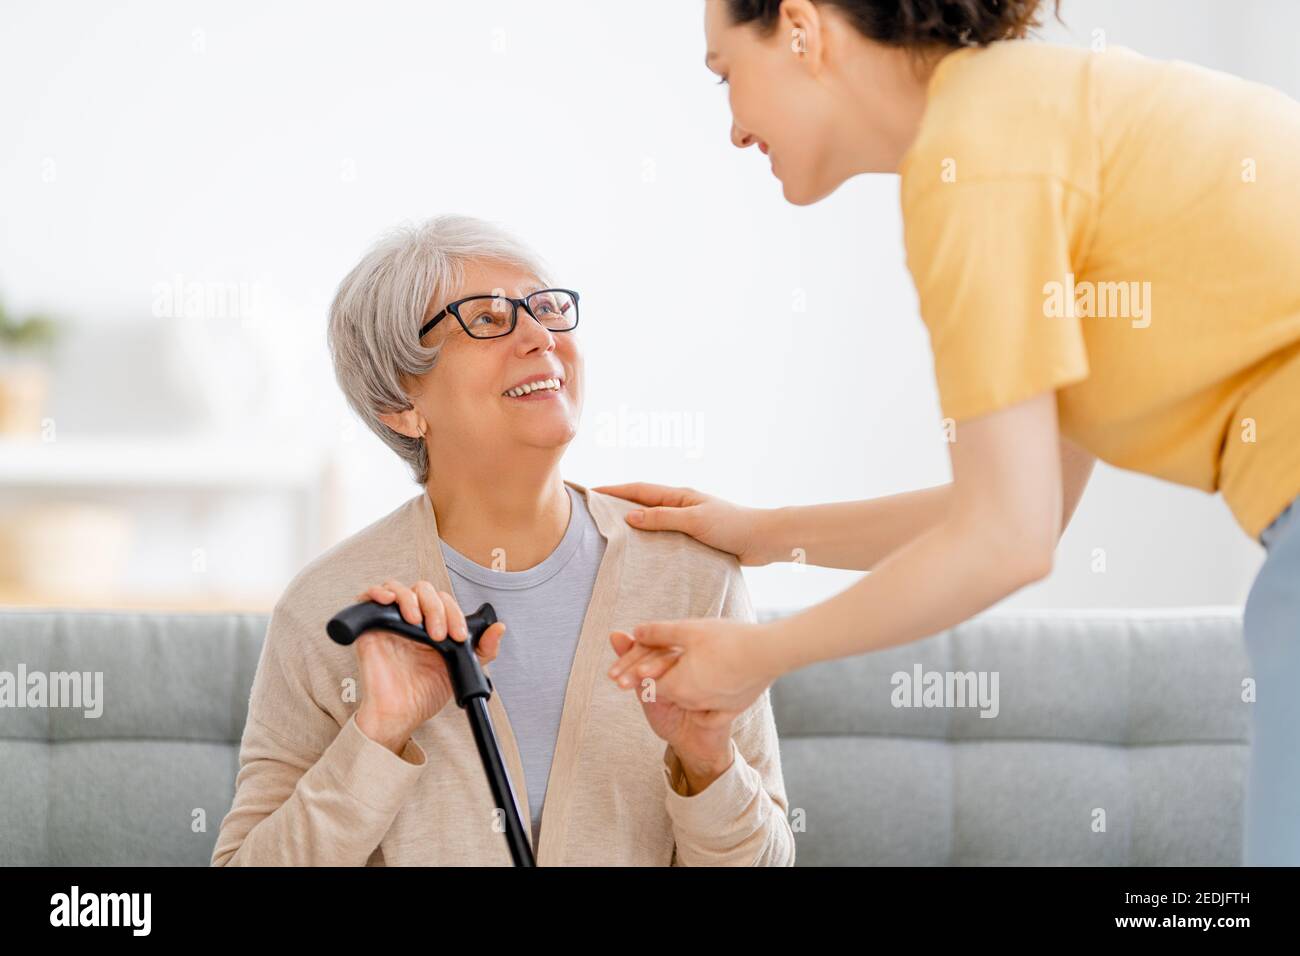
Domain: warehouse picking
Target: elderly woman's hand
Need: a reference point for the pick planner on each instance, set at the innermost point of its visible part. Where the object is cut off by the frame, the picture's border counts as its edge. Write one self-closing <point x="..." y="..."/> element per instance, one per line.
<point x="700" y="738"/>
<point x="403" y="683"/>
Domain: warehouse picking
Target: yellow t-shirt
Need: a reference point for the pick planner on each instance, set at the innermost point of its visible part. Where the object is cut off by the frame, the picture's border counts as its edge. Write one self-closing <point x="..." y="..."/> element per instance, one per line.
<point x="1124" y="231"/>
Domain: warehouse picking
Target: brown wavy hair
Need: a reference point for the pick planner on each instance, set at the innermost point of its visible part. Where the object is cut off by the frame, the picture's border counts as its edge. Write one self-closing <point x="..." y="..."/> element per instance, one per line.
<point x="916" y="23"/>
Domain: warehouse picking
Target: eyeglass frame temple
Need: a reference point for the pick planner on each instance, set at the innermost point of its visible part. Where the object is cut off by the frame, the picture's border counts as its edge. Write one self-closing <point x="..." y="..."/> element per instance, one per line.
<point x="514" y="313"/>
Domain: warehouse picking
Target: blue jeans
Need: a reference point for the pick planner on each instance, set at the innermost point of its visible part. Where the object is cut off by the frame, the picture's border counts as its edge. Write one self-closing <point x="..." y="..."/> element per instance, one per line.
<point x="1272" y="634"/>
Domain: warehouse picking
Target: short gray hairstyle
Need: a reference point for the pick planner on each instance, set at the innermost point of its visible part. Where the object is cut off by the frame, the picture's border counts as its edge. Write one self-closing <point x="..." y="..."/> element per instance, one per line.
<point x="374" y="322"/>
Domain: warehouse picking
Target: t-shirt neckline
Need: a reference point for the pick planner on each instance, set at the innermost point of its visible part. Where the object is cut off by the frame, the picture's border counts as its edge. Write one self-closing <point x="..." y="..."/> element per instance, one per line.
<point x="529" y="577"/>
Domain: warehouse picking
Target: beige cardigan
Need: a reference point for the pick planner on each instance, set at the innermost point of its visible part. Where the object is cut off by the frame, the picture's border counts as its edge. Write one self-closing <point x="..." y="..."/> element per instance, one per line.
<point x="312" y="789"/>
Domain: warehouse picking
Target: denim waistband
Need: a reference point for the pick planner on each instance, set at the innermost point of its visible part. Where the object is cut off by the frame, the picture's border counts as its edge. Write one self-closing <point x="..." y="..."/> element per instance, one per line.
<point x="1287" y="517"/>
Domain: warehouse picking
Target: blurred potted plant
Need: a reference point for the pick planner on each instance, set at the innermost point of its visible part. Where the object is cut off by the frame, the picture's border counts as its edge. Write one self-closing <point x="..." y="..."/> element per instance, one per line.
<point x="25" y="349"/>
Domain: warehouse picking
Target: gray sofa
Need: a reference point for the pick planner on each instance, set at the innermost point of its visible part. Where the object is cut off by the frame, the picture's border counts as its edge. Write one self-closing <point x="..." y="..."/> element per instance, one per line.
<point x="1119" y="739"/>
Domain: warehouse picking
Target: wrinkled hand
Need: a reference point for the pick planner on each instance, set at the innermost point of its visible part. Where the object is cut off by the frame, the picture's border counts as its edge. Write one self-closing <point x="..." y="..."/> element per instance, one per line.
<point x="700" y="738"/>
<point x="701" y="664"/>
<point x="404" y="683"/>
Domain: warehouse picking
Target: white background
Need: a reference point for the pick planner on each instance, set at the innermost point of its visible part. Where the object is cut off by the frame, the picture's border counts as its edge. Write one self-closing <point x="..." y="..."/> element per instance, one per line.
<point x="268" y="144"/>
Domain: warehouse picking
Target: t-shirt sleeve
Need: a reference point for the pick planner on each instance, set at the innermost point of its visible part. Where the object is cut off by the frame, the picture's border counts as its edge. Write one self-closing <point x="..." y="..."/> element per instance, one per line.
<point x="991" y="260"/>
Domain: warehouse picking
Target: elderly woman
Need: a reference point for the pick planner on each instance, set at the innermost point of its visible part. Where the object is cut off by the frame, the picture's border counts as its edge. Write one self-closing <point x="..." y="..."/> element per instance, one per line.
<point x="450" y="343"/>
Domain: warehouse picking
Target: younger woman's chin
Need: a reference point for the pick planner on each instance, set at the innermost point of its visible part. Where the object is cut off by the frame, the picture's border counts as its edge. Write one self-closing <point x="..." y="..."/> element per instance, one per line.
<point x="806" y="193"/>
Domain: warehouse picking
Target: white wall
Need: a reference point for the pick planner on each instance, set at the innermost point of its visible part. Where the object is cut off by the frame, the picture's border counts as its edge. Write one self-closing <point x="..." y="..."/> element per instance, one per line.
<point x="266" y="145"/>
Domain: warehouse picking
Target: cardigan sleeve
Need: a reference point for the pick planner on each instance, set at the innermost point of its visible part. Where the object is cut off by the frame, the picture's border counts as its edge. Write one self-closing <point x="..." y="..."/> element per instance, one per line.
<point x="741" y="818"/>
<point x="308" y="793"/>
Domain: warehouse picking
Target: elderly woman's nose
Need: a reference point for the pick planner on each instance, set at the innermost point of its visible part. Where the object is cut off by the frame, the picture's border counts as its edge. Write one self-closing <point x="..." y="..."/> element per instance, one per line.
<point x="531" y="334"/>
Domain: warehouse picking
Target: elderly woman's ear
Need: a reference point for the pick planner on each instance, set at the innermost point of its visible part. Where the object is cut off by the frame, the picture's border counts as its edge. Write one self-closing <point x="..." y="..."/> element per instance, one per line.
<point x="408" y="422"/>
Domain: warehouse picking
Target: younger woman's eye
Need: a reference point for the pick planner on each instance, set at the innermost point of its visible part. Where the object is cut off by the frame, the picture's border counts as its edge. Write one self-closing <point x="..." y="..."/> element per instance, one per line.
<point x="722" y="80"/>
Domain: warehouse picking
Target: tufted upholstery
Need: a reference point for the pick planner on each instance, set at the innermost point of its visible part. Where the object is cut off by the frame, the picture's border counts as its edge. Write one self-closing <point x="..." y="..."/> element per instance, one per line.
<point x="1138" y="714"/>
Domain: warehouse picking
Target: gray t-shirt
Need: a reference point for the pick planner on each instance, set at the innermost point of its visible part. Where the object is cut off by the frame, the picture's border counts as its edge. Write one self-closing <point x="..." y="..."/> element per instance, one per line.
<point x="543" y="609"/>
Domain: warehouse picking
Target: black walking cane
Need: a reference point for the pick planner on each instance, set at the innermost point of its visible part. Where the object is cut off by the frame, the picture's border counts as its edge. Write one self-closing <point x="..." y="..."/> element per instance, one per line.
<point x="471" y="686"/>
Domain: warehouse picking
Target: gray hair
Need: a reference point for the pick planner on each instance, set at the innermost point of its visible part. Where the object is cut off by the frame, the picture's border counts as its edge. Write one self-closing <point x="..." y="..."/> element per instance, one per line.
<point x="374" y="322"/>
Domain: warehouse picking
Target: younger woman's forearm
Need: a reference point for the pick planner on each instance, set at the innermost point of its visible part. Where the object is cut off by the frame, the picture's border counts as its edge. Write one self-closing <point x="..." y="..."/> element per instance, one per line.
<point x="941" y="578"/>
<point x="853" y="535"/>
<point x="858" y="535"/>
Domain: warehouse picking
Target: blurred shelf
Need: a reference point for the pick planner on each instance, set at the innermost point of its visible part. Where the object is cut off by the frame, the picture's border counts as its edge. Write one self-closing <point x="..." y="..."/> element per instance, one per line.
<point x="202" y="470"/>
<point x="11" y="598"/>
<point x="156" y="463"/>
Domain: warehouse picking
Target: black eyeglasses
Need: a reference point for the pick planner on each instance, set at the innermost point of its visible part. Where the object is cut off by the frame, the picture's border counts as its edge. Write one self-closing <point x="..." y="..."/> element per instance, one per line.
<point x="491" y="316"/>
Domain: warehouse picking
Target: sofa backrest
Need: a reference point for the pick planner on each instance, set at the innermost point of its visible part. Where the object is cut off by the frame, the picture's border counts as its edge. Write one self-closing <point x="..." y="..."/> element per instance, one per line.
<point x="1139" y="717"/>
<point x="147" y="782"/>
<point x="1120" y="739"/>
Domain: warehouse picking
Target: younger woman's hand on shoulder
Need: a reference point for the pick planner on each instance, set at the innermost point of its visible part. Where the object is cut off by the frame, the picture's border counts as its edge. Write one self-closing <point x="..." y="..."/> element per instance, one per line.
<point x="709" y="520"/>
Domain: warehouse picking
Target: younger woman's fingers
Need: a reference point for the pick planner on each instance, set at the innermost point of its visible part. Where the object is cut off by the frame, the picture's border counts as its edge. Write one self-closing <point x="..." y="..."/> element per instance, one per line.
<point x="622" y="642"/>
<point x="647" y="493"/>
<point x="632" y="656"/>
<point x="652" y="667"/>
<point x="627" y="658"/>
<point x="656" y="665"/>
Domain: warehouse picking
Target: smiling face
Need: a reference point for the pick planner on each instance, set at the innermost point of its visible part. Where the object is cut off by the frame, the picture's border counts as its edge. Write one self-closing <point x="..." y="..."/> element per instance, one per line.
<point x="814" y="94"/>
<point x="464" y="399"/>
